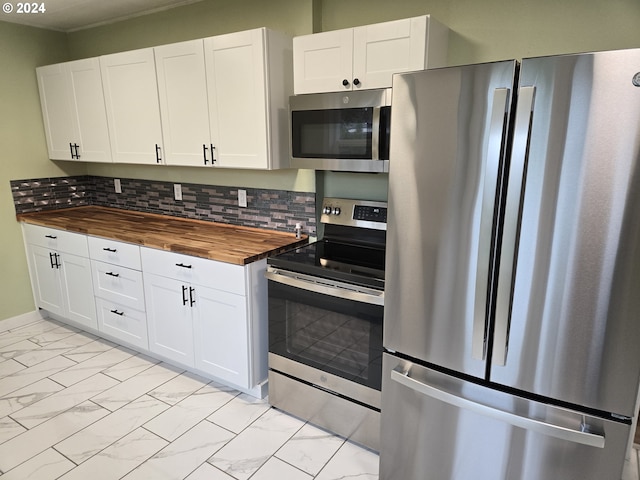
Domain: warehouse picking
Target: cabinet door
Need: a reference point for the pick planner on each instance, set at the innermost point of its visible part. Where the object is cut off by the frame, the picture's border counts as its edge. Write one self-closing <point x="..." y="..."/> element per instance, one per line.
<point x="382" y="49"/>
<point x="133" y="112"/>
<point x="77" y="289"/>
<point x="89" y="110"/>
<point x="45" y="279"/>
<point x="182" y="87"/>
<point x="236" y="87"/>
<point x="323" y="62"/>
<point x="57" y="110"/>
<point x="169" y="318"/>
<point x="221" y="336"/>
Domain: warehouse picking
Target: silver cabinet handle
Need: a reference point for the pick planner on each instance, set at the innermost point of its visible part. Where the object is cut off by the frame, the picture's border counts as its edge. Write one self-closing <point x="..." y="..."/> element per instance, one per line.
<point x="375" y="134"/>
<point x="549" y="429"/>
<point x="326" y="287"/>
<point x="495" y="161"/>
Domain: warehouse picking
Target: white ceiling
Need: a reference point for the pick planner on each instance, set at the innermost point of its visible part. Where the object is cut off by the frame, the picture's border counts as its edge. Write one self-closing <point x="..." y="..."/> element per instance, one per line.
<point x="71" y="15"/>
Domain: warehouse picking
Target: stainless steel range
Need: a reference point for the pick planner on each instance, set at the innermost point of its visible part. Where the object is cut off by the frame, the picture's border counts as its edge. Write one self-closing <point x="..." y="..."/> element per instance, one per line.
<point x="326" y="302"/>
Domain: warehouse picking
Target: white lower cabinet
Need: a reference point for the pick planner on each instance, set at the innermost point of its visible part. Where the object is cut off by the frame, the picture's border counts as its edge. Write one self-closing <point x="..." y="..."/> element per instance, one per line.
<point x="61" y="281"/>
<point x="171" y="325"/>
<point x="45" y="279"/>
<point x="205" y="315"/>
<point x="77" y="289"/>
<point x="122" y="322"/>
<point x="199" y="314"/>
<point x="119" y="292"/>
<point x="221" y="337"/>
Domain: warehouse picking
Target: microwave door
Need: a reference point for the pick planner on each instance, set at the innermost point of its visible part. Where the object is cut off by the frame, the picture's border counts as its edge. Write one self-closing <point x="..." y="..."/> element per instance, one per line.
<point x="340" y="132"/>
<point x="336" y="133"/>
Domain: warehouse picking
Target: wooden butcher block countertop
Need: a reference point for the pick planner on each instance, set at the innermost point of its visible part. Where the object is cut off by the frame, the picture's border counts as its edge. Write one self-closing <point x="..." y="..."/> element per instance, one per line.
<point x="215" y="241"/>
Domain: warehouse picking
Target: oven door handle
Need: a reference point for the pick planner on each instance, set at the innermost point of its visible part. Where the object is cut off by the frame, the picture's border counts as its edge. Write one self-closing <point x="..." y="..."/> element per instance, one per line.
<point x="326" y="287"/>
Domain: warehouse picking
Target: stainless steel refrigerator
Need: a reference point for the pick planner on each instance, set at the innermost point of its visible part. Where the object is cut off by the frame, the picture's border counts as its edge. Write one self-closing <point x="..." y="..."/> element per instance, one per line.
<point x="512" y="297"/>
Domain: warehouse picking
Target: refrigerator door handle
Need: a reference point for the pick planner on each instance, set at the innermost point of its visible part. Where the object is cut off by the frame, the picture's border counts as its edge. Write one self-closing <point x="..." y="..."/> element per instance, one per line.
<point x="495" y="154"/>
<point x="510" y="233"/>
<point x="563" y="433"/>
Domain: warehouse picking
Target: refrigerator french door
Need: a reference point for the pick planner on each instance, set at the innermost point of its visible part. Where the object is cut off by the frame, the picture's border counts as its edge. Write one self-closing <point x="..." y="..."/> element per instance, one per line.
<point x="513" y="265"/>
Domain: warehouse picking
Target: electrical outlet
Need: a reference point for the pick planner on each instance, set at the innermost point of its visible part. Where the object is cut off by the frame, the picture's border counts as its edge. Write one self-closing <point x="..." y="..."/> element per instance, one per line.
<point x="177" y="191"/>
<point x="116" y="185"/>
<point x="242" y="198"/>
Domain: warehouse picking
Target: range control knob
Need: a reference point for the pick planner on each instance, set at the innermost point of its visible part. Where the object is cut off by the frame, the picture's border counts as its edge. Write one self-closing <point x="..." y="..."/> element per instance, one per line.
<point x="336" y="211"/>
<point x="327" y="210"/>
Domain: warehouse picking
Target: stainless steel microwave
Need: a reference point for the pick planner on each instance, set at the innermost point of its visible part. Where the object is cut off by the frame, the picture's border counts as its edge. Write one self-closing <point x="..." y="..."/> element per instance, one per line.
<point x="346" y="131"/>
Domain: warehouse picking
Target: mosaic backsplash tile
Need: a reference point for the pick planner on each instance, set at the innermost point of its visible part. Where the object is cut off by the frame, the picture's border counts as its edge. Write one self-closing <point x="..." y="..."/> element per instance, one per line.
<point x="49" y="193"/>
<point x="271" y="209"/>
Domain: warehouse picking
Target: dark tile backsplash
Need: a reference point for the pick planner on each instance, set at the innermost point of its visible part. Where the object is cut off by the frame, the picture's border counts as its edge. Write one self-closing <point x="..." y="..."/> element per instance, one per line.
<point x="49" y="193"/>
<point x="271" y="209"/>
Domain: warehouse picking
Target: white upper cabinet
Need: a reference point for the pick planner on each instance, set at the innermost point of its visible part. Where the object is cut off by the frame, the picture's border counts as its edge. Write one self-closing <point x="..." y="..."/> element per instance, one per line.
<point x="367" y="57"/>
<point x="224" y="99"/>
<point x="220" y="101"/>
<point x="182" y="88"/>
<point x="131" y="97"/>
<point x="249" y="80"/>
<point x="323" y="62"/>
<point x="236" y="82"/>
<point x="73" y="111"/>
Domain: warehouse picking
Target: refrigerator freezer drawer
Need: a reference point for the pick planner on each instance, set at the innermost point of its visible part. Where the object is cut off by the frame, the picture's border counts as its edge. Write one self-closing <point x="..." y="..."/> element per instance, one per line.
<point x="437" y="427"/>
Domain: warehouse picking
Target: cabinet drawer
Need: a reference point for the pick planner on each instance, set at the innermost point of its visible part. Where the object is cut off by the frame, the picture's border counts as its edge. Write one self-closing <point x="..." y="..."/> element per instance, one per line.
<point x="219" y="275"/>
<point x="118" y="284"/>
<point x="116" y="253"/>
<point x="123" y="322"/>
<point x="54" y="239"/>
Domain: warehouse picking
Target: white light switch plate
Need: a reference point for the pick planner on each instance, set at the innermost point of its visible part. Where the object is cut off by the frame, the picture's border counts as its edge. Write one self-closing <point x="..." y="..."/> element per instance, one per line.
<point x="242" y="198"/>
<point x="177" y="191"/>
<point x="116" y="185"/>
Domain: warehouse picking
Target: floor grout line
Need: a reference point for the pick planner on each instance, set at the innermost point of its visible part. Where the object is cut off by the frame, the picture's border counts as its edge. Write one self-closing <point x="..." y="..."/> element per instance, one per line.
<point x="238" y="411"/>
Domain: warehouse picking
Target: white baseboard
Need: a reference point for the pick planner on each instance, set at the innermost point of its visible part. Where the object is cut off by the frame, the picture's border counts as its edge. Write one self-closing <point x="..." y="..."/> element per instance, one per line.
<point x="20" y="320"/>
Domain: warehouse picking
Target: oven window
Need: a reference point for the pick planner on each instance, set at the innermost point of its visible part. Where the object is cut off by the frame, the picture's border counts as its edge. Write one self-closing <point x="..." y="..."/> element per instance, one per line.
<point x="338" y="336"/>
<point x="339" y="133"/>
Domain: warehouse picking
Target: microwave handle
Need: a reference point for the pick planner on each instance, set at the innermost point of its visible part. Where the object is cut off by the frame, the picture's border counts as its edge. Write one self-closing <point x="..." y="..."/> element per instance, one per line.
<point x="375" y="134"/>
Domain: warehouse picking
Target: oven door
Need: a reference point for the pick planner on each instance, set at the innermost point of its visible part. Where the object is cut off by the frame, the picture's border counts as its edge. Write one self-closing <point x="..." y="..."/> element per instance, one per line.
<point x="330" y="326"/>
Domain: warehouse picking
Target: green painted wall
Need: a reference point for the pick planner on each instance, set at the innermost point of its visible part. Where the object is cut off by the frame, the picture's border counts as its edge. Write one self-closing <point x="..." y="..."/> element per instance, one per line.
<point x="197" y="20"/>
<point x="23" y="151"/>
<point x="481" y="31"/>
<point x="492" y="30"/>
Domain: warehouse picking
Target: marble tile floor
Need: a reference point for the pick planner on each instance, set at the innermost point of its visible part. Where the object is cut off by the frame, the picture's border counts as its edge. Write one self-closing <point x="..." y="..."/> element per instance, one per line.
<point x="74" y="406"/>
